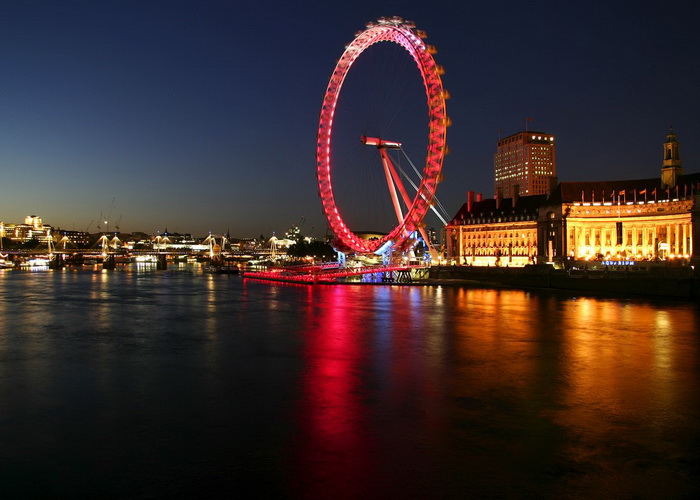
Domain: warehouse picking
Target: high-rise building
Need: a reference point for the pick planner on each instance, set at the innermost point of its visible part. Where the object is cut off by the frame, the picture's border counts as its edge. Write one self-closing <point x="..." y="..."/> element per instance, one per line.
<point x="629" y="222"/>
<point x="524" y="164"/>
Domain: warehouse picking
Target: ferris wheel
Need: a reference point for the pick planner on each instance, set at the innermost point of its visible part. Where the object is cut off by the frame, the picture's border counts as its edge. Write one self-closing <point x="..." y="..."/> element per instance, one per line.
<point x="405" y="34"/>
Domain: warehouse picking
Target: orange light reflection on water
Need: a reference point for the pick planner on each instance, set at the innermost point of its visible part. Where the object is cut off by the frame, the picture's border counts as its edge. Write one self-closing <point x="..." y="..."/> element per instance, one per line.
<point x="625" y="370"/>
<point x="584" y="384"/>
<point x="544" y="388"/>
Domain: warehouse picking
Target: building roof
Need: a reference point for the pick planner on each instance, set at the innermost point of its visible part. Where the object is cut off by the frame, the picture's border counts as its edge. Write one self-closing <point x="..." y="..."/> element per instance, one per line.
<point x="581" y="191"/>
<point x="569" y="192"/>
<point x="525" y="205"/>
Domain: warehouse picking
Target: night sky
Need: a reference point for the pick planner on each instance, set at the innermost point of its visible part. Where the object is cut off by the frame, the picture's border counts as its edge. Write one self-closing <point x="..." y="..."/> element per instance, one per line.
<point x="201" y="116"/>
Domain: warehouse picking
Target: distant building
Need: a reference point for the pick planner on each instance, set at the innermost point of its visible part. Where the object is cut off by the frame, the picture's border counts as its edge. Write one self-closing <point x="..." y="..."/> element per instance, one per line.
<point x="32" y="229"/>
<point x="76" y="238"/>
<point x="245" y="244"/>
<point x="524" y="165"/>
<point x="177" y="241"/>
<point x="655" y="219"/>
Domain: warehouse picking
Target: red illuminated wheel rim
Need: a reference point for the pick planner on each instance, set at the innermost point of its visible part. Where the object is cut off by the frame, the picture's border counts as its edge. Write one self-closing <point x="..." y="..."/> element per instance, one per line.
<point x="403" y="33"/>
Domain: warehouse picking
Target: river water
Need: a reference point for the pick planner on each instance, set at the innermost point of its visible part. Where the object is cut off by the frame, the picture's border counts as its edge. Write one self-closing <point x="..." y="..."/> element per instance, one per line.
<point x="146" y="384"/>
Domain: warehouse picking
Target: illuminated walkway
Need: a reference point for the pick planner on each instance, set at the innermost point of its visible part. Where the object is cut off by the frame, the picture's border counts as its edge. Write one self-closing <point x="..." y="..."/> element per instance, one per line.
<point x="329" y="273"/>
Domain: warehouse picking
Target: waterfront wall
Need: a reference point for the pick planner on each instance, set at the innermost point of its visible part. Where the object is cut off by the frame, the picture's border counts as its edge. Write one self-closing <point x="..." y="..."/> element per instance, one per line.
<point x="653" y="281"/>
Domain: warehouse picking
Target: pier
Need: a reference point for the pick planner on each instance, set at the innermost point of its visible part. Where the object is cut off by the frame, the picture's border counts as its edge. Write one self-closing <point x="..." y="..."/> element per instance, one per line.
<point x="330" y="273"/>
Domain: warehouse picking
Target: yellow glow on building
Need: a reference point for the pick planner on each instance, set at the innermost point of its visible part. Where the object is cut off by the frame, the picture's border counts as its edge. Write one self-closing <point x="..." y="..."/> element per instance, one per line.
<point x="511" y="244"/>
<point x="643" y="231"/>
<point x="608" y="221"/>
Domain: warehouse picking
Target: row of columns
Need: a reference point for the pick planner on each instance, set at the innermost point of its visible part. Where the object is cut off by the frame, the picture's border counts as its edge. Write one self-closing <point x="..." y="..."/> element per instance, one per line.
<point x="676" y="236"/>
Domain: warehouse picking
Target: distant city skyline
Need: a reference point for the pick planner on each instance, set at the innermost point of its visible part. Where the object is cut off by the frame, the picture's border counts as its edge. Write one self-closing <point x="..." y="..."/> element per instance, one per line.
<point x="202" y="117"/>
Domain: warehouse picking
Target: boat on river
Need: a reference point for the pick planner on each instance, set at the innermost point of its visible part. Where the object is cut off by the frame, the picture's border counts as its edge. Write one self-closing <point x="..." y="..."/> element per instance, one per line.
<point x="36" y="262"/>
<point x="224" y="269"/>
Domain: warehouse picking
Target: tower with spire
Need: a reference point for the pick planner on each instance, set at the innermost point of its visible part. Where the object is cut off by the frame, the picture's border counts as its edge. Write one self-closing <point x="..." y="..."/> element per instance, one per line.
<point x="671" y="168"/>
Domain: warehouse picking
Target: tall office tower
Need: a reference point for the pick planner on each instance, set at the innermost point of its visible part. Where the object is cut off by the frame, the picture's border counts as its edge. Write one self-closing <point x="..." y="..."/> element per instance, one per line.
<point x="524" y="164"/>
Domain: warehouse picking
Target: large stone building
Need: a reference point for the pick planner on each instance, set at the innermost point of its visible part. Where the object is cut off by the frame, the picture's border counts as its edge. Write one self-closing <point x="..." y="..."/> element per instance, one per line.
<point x="655" y="219"/>
<point x="32" y="229"/>
<point x="524" y="164"/>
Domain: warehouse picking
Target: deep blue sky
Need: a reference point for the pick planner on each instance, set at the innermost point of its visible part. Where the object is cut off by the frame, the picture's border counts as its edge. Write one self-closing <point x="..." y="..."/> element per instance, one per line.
<point x="201" y="115"/>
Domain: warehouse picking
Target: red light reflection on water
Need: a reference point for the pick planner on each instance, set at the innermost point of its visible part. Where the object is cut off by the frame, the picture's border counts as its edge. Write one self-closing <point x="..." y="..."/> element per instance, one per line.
<point x="417" y="391"/>
<point x="332" y="446"/>
<point x="370" y="391"/>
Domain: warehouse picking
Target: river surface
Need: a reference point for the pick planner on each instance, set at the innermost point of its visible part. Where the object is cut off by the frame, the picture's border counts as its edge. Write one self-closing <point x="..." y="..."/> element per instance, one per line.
<point x="158" y="384"/>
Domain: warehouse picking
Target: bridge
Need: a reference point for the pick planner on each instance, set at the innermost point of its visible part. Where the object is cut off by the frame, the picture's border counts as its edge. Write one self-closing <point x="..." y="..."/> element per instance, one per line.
<point x="57" y="259"/>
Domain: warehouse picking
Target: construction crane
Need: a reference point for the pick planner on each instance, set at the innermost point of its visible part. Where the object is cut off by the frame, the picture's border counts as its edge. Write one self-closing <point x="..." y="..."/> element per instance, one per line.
<point x="109" y="215"/>
<point x="106" y="220"/>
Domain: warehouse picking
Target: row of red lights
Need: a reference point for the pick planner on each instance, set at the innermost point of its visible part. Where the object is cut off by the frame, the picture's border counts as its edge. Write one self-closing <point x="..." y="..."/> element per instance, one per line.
<point x="404" y="36"/>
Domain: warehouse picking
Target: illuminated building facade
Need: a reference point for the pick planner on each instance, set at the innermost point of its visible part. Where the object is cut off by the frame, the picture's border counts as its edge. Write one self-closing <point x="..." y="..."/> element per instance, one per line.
<point x="495" y="232"/>
<point x="525" y="164"/>
<point x="78" y="238"/>
<point x="620" y="227"/>
<point x="32" y="229"/>
<point x="655" y="219"/>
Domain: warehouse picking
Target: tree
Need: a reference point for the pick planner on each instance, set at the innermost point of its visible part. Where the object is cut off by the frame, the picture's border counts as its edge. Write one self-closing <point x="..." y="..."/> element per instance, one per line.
<point x="316" y="249"/>
<point x="32" y="244"/>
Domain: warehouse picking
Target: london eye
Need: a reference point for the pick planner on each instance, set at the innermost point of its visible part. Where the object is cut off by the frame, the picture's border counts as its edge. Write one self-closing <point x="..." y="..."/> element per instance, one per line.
<point x="409" y="206"/>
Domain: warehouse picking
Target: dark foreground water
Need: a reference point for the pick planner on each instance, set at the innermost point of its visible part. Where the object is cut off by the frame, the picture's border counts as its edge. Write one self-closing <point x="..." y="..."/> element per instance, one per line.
<point x="176" y="384"/>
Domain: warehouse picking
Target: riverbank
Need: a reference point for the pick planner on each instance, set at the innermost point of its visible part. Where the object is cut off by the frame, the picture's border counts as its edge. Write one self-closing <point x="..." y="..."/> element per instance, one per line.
<point x="679" y="282"/>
